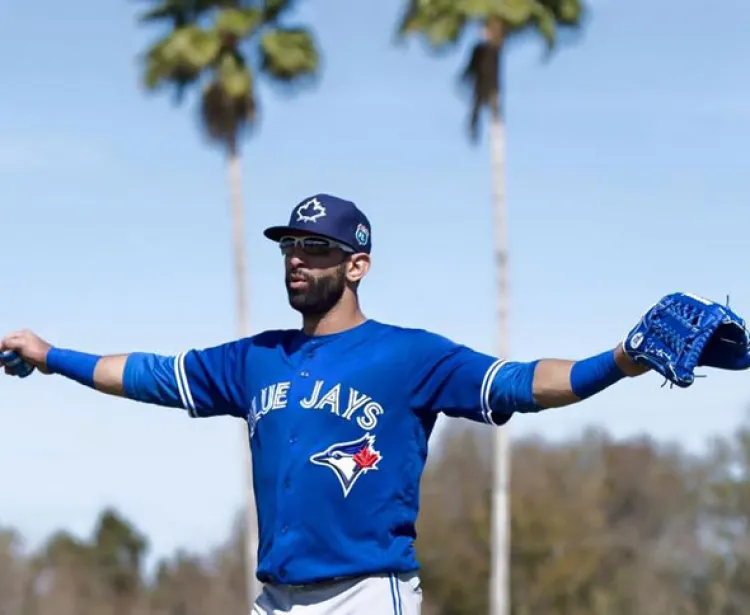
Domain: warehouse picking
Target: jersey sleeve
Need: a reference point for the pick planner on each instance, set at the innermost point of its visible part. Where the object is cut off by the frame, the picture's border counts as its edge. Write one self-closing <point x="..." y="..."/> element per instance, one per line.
<point x="204" y="382"/>
<point x="458" y="381"/>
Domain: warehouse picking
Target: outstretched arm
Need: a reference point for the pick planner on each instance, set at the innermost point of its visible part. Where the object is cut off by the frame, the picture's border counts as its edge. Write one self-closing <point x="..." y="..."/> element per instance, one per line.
<point x="559" y="382"/>
<point x="103" y="373"/>
<point x="460" y="382"/>
<point x="109" y="374"/>
<point x="206" y="382"/>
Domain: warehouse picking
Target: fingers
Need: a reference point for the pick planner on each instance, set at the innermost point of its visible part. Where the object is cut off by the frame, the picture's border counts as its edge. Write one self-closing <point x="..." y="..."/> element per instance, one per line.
<point x="22" y="353"/>
<point x="10" y="338"/>
<point x="14" y="341"/>
<point x="9" y="342"/>
<point x="13" y="350"/>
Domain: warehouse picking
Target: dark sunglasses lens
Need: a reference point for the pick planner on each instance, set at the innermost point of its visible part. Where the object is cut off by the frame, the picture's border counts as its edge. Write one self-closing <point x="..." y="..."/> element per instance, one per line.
<point x="316" y="247"/>
<point x="286" y="245"/>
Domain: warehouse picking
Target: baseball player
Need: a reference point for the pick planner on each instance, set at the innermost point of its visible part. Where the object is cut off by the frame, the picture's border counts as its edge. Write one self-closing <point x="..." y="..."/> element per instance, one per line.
<point x="340" y="411"/>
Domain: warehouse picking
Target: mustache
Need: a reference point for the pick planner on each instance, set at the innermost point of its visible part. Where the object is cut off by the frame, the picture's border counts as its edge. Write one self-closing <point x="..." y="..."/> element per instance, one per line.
<point x="297" y="274"/>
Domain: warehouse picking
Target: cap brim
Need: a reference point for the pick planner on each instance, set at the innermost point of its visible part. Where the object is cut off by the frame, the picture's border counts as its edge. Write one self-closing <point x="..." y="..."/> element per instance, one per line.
<point x="275" y="233"/>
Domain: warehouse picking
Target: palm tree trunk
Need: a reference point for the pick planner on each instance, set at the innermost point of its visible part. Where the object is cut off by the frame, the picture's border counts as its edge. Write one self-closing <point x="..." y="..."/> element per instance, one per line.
<point x="243" y="330"/>
<point x="500" y="569"/>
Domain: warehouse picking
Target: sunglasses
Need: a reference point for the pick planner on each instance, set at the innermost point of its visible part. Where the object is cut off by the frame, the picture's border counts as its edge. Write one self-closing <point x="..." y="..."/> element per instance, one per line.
<point x="312" y="245"/>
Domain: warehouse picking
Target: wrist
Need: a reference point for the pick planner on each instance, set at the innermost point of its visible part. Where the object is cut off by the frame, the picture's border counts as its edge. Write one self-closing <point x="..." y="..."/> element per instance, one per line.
<point x="53" y="359"/>
<point x="44" y="363"/>
<point x="78" y="366"/>
<point x="593" y="375"/>
<point x="629" y="367"/>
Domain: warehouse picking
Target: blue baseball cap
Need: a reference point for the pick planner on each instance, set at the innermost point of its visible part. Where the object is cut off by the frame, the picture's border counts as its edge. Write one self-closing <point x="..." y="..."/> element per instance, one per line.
<point x="327" y="216"/>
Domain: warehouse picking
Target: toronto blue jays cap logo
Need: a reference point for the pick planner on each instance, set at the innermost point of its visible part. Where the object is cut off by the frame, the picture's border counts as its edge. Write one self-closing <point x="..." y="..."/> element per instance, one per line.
<point x="349" y="460"/>
<point x="310" y="211"/>
<point x="329" y="216"/>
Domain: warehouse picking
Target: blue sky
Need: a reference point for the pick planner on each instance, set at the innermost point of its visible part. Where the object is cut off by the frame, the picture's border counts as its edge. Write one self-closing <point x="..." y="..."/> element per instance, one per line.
<point x="627" y="179"/>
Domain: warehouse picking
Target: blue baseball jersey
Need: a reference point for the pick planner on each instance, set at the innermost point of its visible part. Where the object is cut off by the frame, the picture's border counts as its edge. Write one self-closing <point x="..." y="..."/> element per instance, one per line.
<point x="339" y="427"/>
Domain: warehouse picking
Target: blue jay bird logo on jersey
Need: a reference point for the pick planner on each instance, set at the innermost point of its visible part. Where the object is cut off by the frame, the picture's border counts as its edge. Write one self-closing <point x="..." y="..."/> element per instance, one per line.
<point x="310" y="211"/>
<point x="349" y="460"/>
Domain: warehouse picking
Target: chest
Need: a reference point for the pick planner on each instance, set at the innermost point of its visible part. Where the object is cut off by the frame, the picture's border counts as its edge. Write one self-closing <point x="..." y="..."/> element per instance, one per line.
<point x="327" y="389"/>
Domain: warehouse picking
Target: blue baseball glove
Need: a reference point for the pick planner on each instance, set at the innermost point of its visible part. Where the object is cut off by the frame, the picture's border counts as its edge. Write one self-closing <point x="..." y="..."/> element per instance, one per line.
<point x="683" y="331"/>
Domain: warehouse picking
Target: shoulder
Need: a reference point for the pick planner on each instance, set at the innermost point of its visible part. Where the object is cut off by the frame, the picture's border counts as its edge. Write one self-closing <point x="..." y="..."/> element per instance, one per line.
<point x="267" y="344"/>
<point x="417" y="340"/>
<point x="271" y="338"/>
<point x="265" y="340"/>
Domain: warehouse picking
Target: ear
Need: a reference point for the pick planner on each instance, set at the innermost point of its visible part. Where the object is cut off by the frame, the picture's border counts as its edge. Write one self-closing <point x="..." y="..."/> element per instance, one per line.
<point x="359" y="265"/>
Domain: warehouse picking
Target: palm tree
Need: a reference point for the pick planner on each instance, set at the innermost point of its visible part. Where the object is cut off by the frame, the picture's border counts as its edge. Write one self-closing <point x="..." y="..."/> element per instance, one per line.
<point x="442" y="24"/>
<point x="220" y="48"/>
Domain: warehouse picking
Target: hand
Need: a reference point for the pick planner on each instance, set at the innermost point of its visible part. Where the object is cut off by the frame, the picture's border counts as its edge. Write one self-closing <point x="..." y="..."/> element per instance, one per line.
<point x="29" y="346"/>
<point x="629" y="367"/>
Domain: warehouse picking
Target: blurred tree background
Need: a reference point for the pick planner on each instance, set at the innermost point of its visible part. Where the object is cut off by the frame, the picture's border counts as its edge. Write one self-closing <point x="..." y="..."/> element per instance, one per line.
<point x="600" y="526"/>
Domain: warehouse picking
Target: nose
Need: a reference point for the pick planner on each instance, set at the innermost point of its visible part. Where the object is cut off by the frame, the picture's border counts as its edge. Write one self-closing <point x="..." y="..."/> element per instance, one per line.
<point x="295" y="258"/>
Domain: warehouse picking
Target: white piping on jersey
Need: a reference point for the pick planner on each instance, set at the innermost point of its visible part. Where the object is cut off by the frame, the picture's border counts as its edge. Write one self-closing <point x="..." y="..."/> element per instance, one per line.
<point x="183" y="388"/>
<point x="484" y="392"/>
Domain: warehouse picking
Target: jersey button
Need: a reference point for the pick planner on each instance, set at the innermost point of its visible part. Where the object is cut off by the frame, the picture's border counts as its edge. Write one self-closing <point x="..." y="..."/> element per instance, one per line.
<point x="284" y="530"/>
<point x="304" y="374"/>
<point x="293" y="440"/>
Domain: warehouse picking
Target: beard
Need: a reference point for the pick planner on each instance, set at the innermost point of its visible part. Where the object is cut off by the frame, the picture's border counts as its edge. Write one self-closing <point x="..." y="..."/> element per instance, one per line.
<point x="320" y="295"/>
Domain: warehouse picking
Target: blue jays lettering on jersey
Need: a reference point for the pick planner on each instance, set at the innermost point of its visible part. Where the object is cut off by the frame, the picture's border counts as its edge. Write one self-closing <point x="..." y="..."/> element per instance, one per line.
<point x="339" y="428"/>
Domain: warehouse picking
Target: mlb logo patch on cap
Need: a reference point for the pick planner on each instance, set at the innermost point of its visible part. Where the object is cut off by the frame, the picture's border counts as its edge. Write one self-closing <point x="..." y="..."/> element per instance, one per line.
<point x="362" y="234"/>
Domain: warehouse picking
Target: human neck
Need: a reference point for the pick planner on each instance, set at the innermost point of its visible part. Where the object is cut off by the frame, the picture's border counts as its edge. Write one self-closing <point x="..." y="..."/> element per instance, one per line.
<point x="336" y="320"/>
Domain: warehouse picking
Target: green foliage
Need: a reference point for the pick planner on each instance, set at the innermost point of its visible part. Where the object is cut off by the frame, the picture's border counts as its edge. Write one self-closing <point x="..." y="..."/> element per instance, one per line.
<point x="597" y="525"/>
<point x="440" y="22"/>
<point x="181" y="57"/>
<point x="443" y="23"/>
<point x="117" y="553"/>
<point x="272" y="9"/>
<point x="209" y="46"/>
<point x="237" y="23"/>
<point x="178" y="13"/>
<point x="288" y="54"/>
<point x="103" y="574"/>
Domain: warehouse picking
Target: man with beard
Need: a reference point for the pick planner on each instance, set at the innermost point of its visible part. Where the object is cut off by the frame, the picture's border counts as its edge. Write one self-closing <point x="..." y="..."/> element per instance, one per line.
<point x="339" y="414"/>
